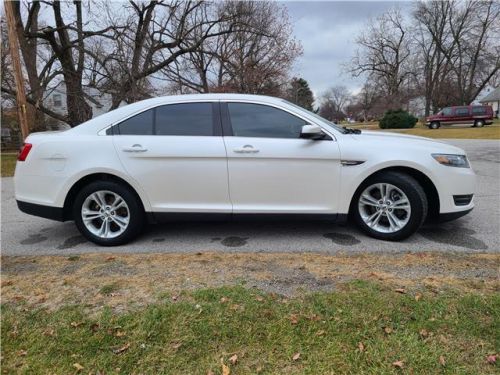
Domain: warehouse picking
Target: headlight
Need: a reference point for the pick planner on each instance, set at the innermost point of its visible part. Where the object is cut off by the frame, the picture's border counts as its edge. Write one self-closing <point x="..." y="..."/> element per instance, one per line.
<point x="450" y="160"/>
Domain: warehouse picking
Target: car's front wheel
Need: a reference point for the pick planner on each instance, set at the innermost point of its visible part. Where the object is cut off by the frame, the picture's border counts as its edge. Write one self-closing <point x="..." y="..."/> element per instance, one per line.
<point x="390" y="206"/>
<point x="108" y="213"/>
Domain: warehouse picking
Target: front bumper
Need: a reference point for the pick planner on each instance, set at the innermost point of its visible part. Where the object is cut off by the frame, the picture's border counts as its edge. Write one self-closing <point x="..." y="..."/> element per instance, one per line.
<point x="449" y="216"/>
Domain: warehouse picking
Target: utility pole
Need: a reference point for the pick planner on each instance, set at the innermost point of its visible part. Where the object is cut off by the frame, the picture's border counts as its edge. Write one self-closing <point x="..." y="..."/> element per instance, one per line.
<point x="18" y="73"/>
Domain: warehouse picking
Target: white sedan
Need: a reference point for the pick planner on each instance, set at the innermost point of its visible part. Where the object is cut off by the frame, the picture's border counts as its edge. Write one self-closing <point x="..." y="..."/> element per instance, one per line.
<point x="232" y="156"/>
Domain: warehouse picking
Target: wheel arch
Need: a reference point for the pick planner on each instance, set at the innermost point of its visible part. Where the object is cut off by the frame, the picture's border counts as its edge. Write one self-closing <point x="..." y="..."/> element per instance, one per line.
<point x="424" y="180"/>
<point x="89" y="178"/>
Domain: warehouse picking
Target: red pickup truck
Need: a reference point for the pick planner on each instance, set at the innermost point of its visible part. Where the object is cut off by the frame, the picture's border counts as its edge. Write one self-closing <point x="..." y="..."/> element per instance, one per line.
<point x="475" y="115"/>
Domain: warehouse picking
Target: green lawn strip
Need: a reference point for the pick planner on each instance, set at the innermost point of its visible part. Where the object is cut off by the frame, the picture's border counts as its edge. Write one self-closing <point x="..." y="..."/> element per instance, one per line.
<point x="8" y="164"/>
<point x="192" y="334"/>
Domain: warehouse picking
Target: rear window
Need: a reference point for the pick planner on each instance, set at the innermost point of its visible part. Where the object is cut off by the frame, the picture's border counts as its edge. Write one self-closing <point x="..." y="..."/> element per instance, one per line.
<point x="479" y="110"/>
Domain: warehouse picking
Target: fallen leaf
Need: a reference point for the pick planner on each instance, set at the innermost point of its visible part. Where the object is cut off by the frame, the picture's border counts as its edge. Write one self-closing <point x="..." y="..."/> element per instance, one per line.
<point x="320" y="333"/>
<point x="491" y="359"/>
<point x="233" y="359"/>
<point x="388" y="330"/>
<point x="121" y="349"/>
<point x="294" y="319"/>
<point x="7" y="283"/>
<point x="176" y="345"/>
<point x="175" y="298"/>
<point x="78" y="367"/>
<point x="120" y="334"/>
<point x="76" y="324"/>
<point x="224" y="300"/>
<point x="400" y="290"/>
<point x="398" y="364"/>
<point x="225" y="368"/>
<point x="48" y="332"/>
<point x="423" y="333"/>
<point x="109" y="259"/>
<point x="418" y="296"/>
<point x="314" y="317"/>
<point x="22" y="353"/>
<point x="361" y="347"/>
<point x="442" y="362"/>
<point x="259" y="298"/>
<point x="296" y="356"/>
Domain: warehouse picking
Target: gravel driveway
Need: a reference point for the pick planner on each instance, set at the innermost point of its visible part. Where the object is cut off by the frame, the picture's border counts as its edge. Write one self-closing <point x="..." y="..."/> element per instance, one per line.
<point x="479" y="231"/>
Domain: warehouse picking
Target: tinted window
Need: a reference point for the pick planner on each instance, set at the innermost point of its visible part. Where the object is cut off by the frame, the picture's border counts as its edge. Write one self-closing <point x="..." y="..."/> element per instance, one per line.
<point x="141" y="124"/>
<point x="464" y="111"/>
<point x="479" y="110"/>
<point x="446" y="111"/>
<point x="184" y="119"/>
<point x="255" y="120"/>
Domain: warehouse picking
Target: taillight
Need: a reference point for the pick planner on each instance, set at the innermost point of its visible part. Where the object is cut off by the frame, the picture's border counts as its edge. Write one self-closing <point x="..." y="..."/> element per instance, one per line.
<point x="23" y="154"/>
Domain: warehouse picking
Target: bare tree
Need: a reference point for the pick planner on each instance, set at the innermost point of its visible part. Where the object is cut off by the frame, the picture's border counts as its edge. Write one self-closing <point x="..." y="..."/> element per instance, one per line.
<point x="334" y="102"/>
<point x="255" y="58"/>
<point x="467" y="34"/>
<point x="384" y="53"/>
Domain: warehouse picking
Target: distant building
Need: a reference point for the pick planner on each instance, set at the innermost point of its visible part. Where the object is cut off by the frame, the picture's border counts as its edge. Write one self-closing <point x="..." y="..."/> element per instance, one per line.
<point x="492" y="99"/>
<point x="100" y="102"/>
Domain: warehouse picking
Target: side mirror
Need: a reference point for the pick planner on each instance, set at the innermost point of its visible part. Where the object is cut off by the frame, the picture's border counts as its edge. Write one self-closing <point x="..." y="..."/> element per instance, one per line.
<point x="313" y="132"/>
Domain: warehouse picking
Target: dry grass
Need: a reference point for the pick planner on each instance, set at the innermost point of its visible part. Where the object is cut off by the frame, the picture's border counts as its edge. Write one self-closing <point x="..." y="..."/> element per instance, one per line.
<point x="124" y="281"/>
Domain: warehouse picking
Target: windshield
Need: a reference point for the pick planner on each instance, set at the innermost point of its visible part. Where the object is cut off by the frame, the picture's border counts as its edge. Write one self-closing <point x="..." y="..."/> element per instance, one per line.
<point x="318" y="117"/>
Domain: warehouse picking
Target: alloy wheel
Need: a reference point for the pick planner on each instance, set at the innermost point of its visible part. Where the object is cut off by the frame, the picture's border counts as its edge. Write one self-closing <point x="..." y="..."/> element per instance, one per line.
<point x="384" y="208"/>
<point x="105" y="214"/>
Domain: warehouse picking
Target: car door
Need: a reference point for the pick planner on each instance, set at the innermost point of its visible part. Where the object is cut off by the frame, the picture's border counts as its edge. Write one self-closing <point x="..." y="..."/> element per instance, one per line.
<point x="447" y="115"/>
<point x="462" y="115"/>
<point x="271" y="169"/>
<point x="177" y="154"/>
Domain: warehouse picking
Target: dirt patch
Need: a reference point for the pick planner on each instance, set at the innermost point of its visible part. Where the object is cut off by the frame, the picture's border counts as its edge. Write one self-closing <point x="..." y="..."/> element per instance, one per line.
<point x="139" y="279"/>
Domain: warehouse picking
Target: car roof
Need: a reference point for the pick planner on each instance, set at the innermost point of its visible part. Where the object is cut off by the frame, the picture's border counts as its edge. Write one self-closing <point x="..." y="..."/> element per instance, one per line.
<point x="97" y="123"/>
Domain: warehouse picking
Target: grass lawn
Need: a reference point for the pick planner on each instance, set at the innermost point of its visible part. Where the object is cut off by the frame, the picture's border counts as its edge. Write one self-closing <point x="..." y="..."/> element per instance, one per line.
<point x="381" y="320"/>
<point x="363" y="328"/>
<point x="455" y="131"/>
<point x="8" y="164"/>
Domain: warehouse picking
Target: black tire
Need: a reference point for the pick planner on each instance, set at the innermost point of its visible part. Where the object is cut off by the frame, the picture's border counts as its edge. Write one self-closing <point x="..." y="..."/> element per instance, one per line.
<point x="479" y="123"/>
<point x="136" y="212"/>
<point x="416" y="197"/>
<point x="434" y="125"/>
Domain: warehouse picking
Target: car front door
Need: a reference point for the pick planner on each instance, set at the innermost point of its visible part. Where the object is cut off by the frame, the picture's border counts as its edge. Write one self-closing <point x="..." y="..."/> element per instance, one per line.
<point x="462" y="115"/>
<point x="273" y="170"/>
<point x="177" y="154"/>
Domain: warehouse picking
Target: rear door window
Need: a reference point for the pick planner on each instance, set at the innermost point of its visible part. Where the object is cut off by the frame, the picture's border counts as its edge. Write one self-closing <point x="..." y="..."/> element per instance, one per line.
<point x="191" y="119"/>
<point x="462" y="111"/>
<point x="140" y="124"/>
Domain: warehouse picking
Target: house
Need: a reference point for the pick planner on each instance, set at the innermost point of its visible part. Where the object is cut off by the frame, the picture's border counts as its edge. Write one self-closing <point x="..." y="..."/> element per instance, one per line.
<point x="492" y="99"/>
<point x="100" y="102"/>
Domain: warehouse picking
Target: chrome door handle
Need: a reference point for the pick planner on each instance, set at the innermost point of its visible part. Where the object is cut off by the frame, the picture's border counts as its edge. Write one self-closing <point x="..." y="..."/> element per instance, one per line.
<point x="247" y="149"/>
<point x="134" y="148"/>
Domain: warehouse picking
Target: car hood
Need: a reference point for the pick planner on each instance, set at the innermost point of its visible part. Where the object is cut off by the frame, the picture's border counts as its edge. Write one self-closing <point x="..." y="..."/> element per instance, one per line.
<point x="405" y="141"/>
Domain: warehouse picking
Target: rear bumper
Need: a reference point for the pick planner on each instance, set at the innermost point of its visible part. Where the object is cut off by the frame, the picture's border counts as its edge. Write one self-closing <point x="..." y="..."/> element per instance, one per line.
<point x="47" y="212"/>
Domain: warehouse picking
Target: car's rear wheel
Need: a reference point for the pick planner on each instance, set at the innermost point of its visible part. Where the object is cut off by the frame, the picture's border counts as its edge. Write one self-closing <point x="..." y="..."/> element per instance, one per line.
<point x="479" y="123"/>
<point x="390" y="206"/>
<point x="108" y="213"/>
<point x="434" y="125"/>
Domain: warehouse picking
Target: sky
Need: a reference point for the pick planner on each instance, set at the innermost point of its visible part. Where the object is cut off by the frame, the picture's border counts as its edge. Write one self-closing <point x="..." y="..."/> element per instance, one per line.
<point x="327" y="31"/>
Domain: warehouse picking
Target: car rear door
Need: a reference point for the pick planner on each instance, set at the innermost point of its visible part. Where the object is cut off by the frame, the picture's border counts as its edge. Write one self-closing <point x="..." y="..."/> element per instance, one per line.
<point x="462" y="115"/>
<point x="177" y="154"/>
<point x="271" y="169"/>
